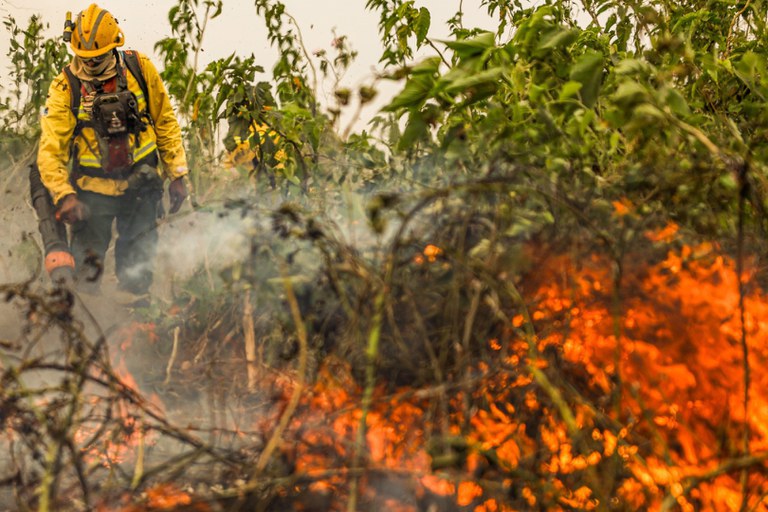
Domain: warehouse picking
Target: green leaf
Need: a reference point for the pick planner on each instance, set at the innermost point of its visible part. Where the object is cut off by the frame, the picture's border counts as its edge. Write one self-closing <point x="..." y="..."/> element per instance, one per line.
<point x="428" y="66"/>
<point x="468" y="80"/>
<point x="588" y="71"/>
<point x="415" y="130"/>
<point x="728" y="181"/>
<point x="479" y="93"/>
<point x="630" y="93"/>
<point x="569" y="90"/>
<point x="295" y="109"/>
<point x="675" y="101"/>
<point x="413" y="95"/>
<point x="648" y="110"/>
<point x="536" y="92"/>
<point x="632" y="67"/>
<point x="475" y="46"/>
<point x="423" y="22"/>
<point x="556" y="38"/>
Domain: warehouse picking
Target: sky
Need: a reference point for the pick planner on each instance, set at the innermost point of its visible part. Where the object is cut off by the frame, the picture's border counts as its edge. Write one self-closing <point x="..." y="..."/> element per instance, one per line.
<point x="238" y="29"/>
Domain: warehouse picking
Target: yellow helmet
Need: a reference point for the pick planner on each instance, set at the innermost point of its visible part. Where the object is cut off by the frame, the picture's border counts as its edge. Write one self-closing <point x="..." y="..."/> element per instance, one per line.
<point x="95" y="33"/>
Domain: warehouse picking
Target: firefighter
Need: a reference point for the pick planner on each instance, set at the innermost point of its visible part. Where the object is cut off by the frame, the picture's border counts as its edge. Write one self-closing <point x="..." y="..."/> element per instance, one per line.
<point x="109" y="142"/>
<point x="257" y="152"/>
<point x="251" y="142"/>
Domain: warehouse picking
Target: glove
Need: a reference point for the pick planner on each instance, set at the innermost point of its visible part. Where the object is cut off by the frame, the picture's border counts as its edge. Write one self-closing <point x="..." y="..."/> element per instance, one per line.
<point x="177" y="191"/>
<point x="71" y="210"/>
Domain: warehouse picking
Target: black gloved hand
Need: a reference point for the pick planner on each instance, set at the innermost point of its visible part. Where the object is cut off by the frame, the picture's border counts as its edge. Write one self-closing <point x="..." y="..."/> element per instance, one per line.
<point x="177" y="192"/>
<point x="71" y="210"/>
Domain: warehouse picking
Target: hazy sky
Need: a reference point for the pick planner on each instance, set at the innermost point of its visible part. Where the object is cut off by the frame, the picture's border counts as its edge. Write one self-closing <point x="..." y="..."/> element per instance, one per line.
<point x="239" y="29"/>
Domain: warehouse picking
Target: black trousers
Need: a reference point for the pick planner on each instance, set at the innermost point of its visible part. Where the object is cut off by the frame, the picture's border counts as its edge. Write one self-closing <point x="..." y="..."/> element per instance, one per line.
<point x="134" y="215"/>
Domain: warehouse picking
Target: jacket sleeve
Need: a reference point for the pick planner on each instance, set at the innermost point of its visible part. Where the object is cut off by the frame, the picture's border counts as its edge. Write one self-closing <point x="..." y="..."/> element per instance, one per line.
<point x="57" y="123"/>
<point x="169" y="142"/>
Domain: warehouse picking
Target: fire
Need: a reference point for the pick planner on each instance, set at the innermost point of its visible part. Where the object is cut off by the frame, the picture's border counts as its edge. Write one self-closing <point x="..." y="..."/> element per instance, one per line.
<point x="677" y="416"/>
<point x="166" y="496"/>
<point x="680" y="363"/>
<point x="430" y="254"/>
<point x="118" y="448"/>
<point x="163" y="497"/>
<point x="622" y="207"/>
<point x="634" y="398"/>
<point x="127" y="435"/>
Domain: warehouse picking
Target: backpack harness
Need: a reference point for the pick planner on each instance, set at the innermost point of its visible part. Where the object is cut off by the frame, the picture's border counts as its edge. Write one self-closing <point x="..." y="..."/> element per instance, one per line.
<point x="114" y="117"/>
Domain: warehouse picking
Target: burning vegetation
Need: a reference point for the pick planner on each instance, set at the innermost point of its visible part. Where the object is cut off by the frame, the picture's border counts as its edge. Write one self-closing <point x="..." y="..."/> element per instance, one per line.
<point x="538" y="282"/>
<point x="512" y="376"/>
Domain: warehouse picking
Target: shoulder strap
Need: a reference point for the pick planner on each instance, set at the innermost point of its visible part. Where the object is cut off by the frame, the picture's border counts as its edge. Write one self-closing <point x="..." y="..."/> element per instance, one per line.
<point x="132" y="63"/>
<point x="74" y="87"/>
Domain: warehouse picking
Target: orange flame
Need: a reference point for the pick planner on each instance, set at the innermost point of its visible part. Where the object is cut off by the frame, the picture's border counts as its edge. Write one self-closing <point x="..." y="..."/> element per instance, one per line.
<point x="677" y="356"/>
<point x="658" y="406"/>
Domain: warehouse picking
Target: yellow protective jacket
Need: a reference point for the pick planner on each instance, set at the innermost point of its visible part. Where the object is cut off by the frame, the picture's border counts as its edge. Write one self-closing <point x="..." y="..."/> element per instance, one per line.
<point x="58" y="126"/>
<point x="245" y="150"/>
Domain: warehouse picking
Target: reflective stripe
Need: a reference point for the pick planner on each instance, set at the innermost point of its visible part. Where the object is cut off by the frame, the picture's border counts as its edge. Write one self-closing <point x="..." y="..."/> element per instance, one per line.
<point x="94" y="29"/>
<point x="143" y="151"/>
<point x="90" y="161"/>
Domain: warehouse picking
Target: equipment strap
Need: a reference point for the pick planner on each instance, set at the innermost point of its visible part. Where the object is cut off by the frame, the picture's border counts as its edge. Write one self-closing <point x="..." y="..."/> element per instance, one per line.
<point x="74" y="96"/>
<point x="132" y="63"/>
<point x="131" y="59"/>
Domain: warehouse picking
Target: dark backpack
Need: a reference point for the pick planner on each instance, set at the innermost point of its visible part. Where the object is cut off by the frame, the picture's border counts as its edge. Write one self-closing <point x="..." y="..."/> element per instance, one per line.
<point x="131" y="62"/>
